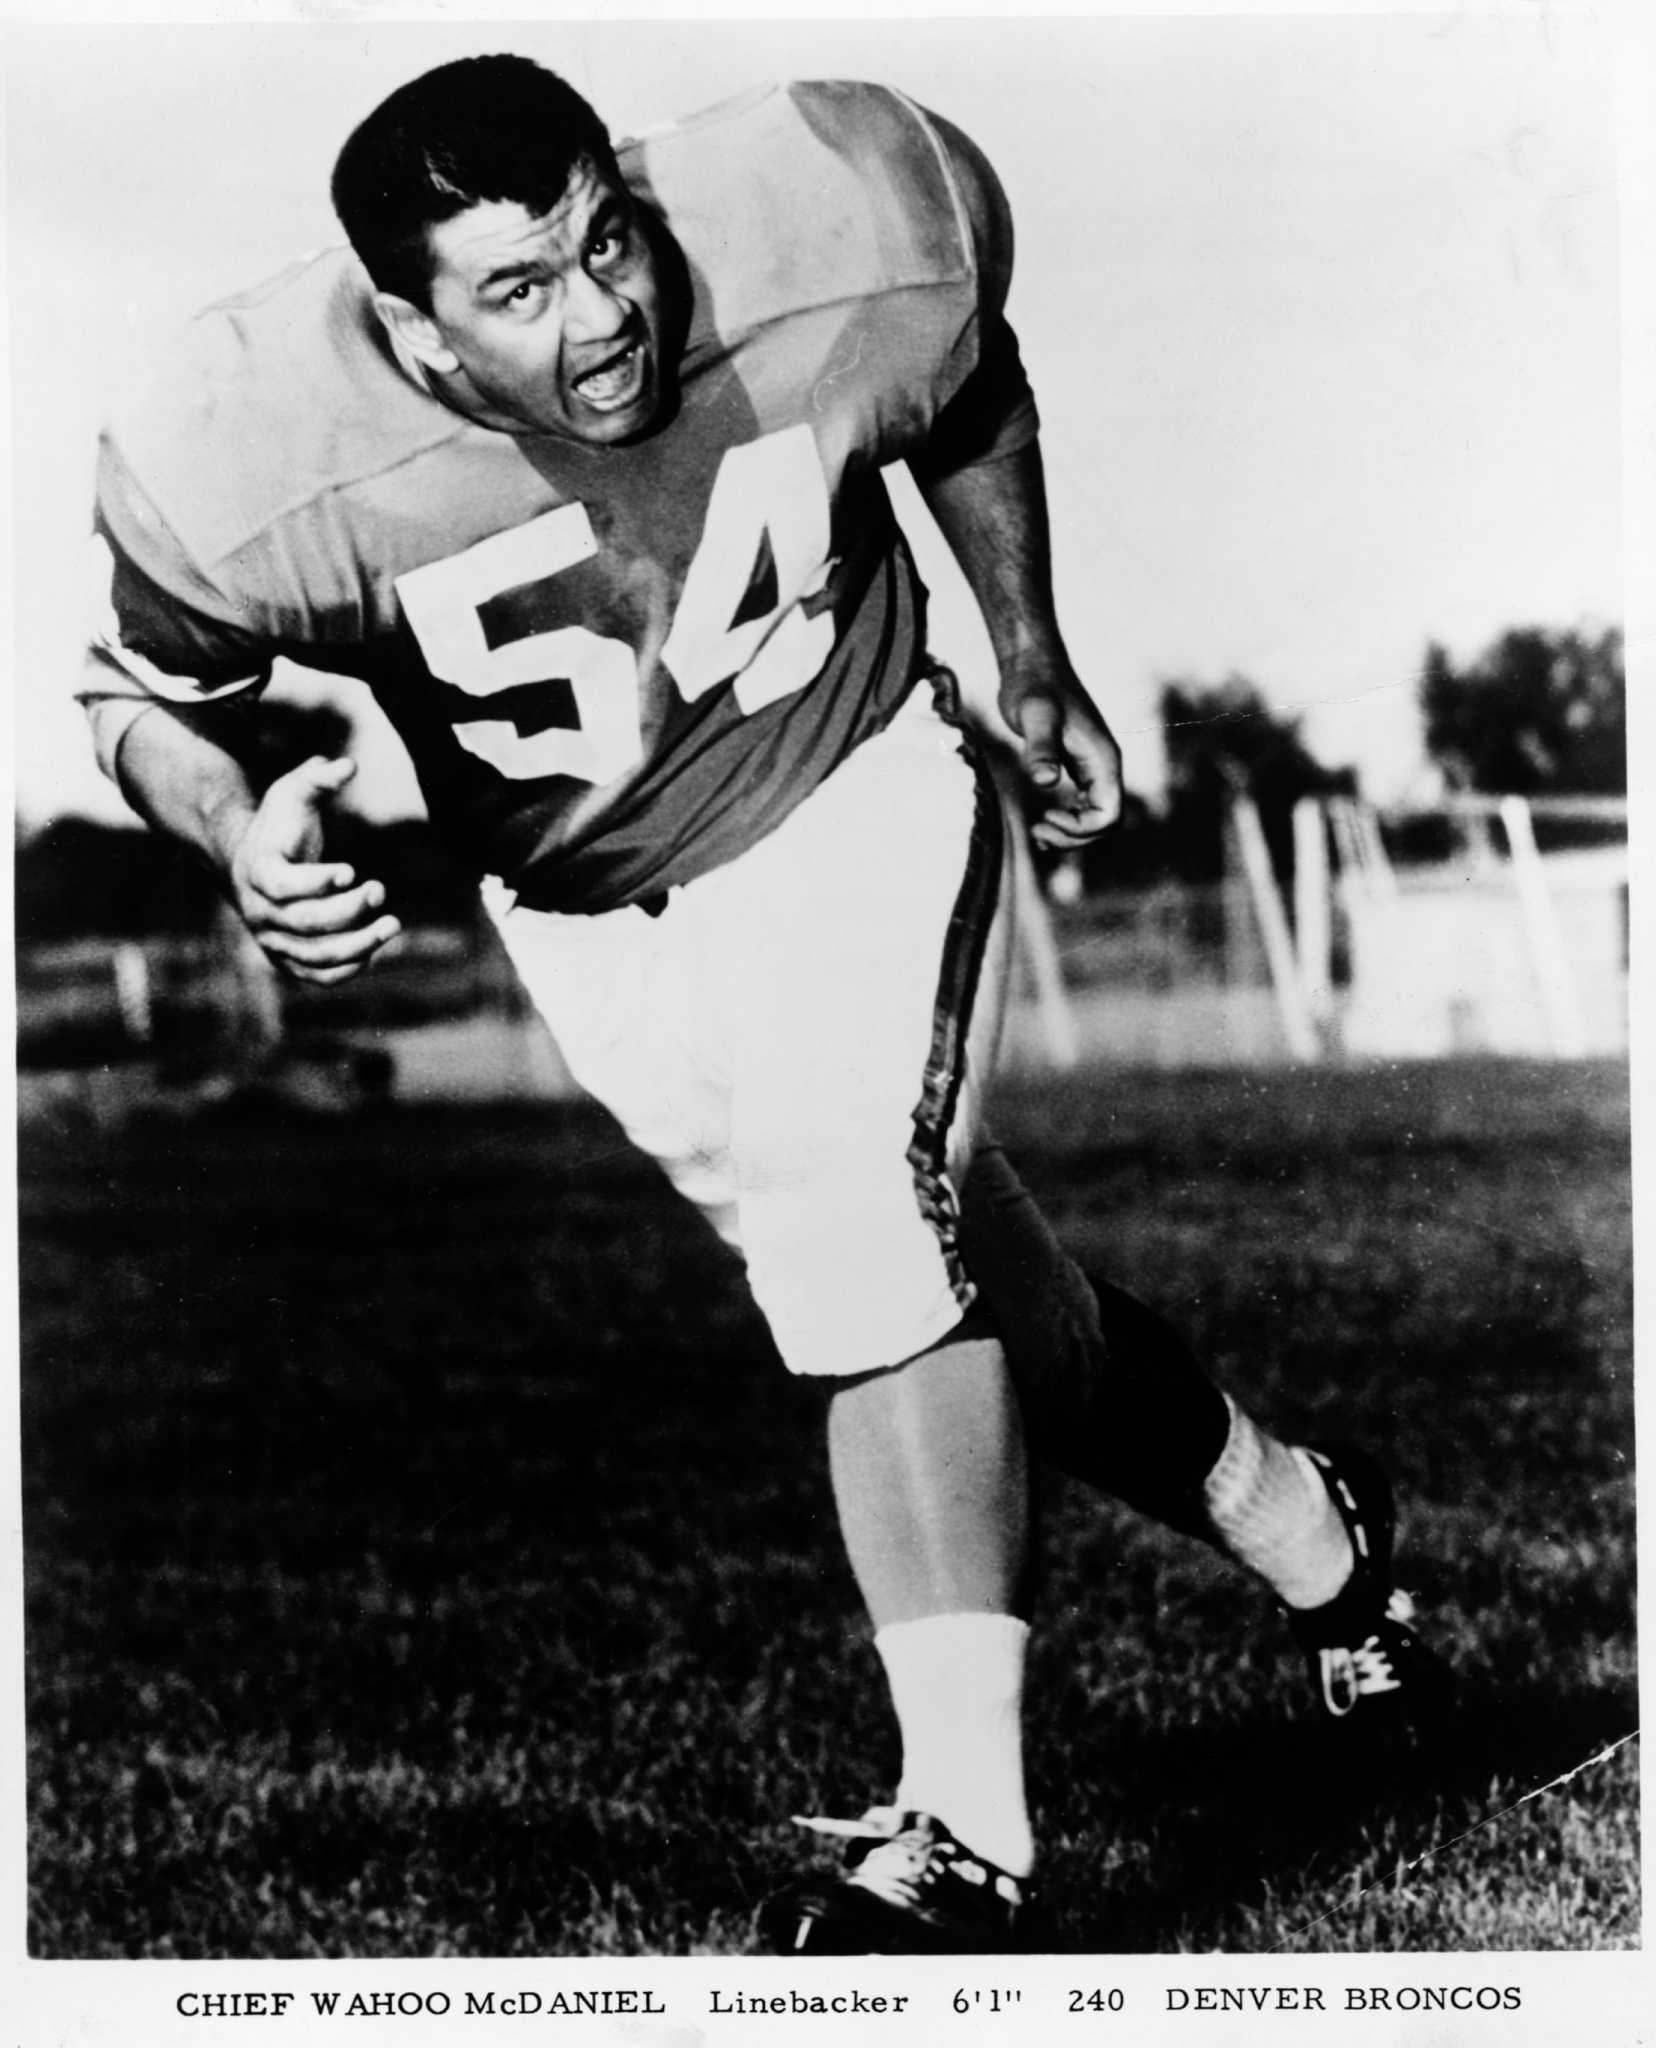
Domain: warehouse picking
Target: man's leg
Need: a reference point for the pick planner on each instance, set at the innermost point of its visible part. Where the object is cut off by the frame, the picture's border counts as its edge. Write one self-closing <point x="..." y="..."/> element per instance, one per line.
<point x="930" y="1480"/>
<point x="798" y="1040"/>
<point x="1111" y="1394"/>
<point x="931" y="1483"/>
<point x="865" y="1029"/>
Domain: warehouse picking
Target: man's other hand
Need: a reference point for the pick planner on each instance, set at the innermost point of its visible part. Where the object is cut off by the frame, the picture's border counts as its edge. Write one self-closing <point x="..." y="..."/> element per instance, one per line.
<point x="1069" y="755"/>
<point x="312" y="916"/>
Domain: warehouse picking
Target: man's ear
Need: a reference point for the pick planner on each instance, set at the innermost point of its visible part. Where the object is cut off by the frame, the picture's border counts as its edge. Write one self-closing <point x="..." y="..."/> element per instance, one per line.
<point x="415" y="331"/>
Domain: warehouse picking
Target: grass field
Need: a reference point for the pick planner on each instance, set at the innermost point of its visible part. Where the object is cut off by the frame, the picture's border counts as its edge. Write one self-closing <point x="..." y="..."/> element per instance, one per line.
<point x="426" y="1555"/>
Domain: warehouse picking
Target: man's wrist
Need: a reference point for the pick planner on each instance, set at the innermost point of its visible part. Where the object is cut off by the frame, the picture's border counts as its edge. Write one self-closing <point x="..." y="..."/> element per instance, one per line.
<point x="1029" y="659"/>
<point x="227" y="816"/>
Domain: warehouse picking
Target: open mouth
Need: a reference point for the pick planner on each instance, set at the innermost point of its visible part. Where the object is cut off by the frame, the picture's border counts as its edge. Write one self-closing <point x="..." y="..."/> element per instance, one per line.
<point x="615" y="383"/>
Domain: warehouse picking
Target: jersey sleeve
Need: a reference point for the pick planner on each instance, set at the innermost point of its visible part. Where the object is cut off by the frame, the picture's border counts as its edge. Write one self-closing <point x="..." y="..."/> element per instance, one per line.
<point x="162" y="630"/>
<point x="993" y="413"/>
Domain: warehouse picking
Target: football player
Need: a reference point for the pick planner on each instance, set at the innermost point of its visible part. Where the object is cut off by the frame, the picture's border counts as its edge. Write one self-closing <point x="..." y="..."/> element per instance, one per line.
<point x="573" y="456"/>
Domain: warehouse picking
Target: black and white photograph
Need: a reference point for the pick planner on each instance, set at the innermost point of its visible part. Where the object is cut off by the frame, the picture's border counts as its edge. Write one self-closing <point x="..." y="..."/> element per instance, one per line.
<point x="544" y="1494"/>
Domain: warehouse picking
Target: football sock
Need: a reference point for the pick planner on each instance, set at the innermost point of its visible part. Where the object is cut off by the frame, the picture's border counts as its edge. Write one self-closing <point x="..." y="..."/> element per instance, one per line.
<point x="957" y="1685"/>
<point x="1273" y="1514"/>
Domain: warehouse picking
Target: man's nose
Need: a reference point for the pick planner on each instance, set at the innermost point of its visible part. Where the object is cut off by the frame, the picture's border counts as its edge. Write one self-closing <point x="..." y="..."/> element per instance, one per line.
<point x="592" y="312"/>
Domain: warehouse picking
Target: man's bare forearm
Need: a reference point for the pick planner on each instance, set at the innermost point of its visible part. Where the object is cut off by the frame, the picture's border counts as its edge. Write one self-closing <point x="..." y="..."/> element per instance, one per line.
<point x="186" y="783"/>
<point x="994" y="517"/>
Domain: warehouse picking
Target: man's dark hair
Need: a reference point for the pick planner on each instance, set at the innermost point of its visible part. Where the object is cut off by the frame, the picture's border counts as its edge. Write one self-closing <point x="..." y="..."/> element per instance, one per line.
<point x="483" y="128"/>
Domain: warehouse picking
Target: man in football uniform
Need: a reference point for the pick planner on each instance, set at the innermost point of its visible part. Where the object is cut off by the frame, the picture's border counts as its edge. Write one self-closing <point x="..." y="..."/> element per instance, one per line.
<point x="574" y="458"/>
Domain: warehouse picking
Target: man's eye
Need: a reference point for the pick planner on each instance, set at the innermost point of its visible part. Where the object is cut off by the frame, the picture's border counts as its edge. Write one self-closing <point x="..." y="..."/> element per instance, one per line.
<point x="606" y="247"/>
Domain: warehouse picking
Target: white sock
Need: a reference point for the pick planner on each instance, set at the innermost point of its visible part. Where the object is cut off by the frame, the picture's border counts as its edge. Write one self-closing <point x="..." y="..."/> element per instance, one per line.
<point x="1273" y="1511"/>
<point x="957" y="1685"/>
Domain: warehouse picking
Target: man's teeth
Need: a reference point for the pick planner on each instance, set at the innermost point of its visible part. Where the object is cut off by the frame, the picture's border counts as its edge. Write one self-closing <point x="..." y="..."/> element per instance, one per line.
<point x="602" y="387"/>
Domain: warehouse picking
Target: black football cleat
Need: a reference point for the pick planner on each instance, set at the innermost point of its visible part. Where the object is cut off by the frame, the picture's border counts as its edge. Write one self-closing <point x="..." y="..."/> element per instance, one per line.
<point x="1365" y="1657"/>
<point x="907" y="1888"/>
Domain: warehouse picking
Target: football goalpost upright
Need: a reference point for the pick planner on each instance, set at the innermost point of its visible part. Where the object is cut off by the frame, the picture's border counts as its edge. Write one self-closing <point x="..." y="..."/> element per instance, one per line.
<point x="1036" y="945"/>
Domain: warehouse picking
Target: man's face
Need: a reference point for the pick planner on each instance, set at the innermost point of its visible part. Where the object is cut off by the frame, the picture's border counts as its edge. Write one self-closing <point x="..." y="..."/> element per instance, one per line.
<point x="555" y="320"/>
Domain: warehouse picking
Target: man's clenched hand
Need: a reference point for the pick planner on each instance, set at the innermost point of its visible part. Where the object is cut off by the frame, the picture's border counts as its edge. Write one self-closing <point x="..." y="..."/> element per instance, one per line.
<point x="1068" y="753"/>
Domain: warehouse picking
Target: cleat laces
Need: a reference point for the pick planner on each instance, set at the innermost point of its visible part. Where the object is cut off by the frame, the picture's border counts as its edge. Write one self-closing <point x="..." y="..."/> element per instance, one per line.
<point x="904" y="1865"/>
<point x="898" y="1871"/>
<point x="1349" y="1675"/>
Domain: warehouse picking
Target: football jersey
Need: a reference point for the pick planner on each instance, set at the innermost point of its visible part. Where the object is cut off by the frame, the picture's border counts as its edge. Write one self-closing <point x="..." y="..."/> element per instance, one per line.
<point x="613" y="667"/>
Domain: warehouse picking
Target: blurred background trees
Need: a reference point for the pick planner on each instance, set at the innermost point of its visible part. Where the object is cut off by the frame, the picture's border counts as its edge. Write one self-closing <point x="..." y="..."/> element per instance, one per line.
<point x="1223" y="742"/>
<point x="1538" y="713"/>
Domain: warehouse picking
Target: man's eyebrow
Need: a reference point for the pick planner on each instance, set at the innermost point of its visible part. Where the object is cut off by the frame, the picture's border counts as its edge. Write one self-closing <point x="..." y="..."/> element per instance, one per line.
<point x="512" y="269"/>
<point x="616" y="206"/>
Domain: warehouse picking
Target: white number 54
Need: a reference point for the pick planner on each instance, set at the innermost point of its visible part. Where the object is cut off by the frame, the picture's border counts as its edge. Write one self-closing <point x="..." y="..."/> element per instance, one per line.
<point x="767" y="528"/>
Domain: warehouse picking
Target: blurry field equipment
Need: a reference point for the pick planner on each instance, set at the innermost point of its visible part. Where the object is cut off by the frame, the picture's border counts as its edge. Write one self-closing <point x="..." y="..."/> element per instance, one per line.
<point x="427" y="1556"/>
<point x="1499" y="925"/>
<point x="1497" y="947"/>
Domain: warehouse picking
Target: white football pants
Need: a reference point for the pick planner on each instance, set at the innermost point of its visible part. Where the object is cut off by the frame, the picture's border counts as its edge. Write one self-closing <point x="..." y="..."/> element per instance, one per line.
<point x="802" y="1037"/>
